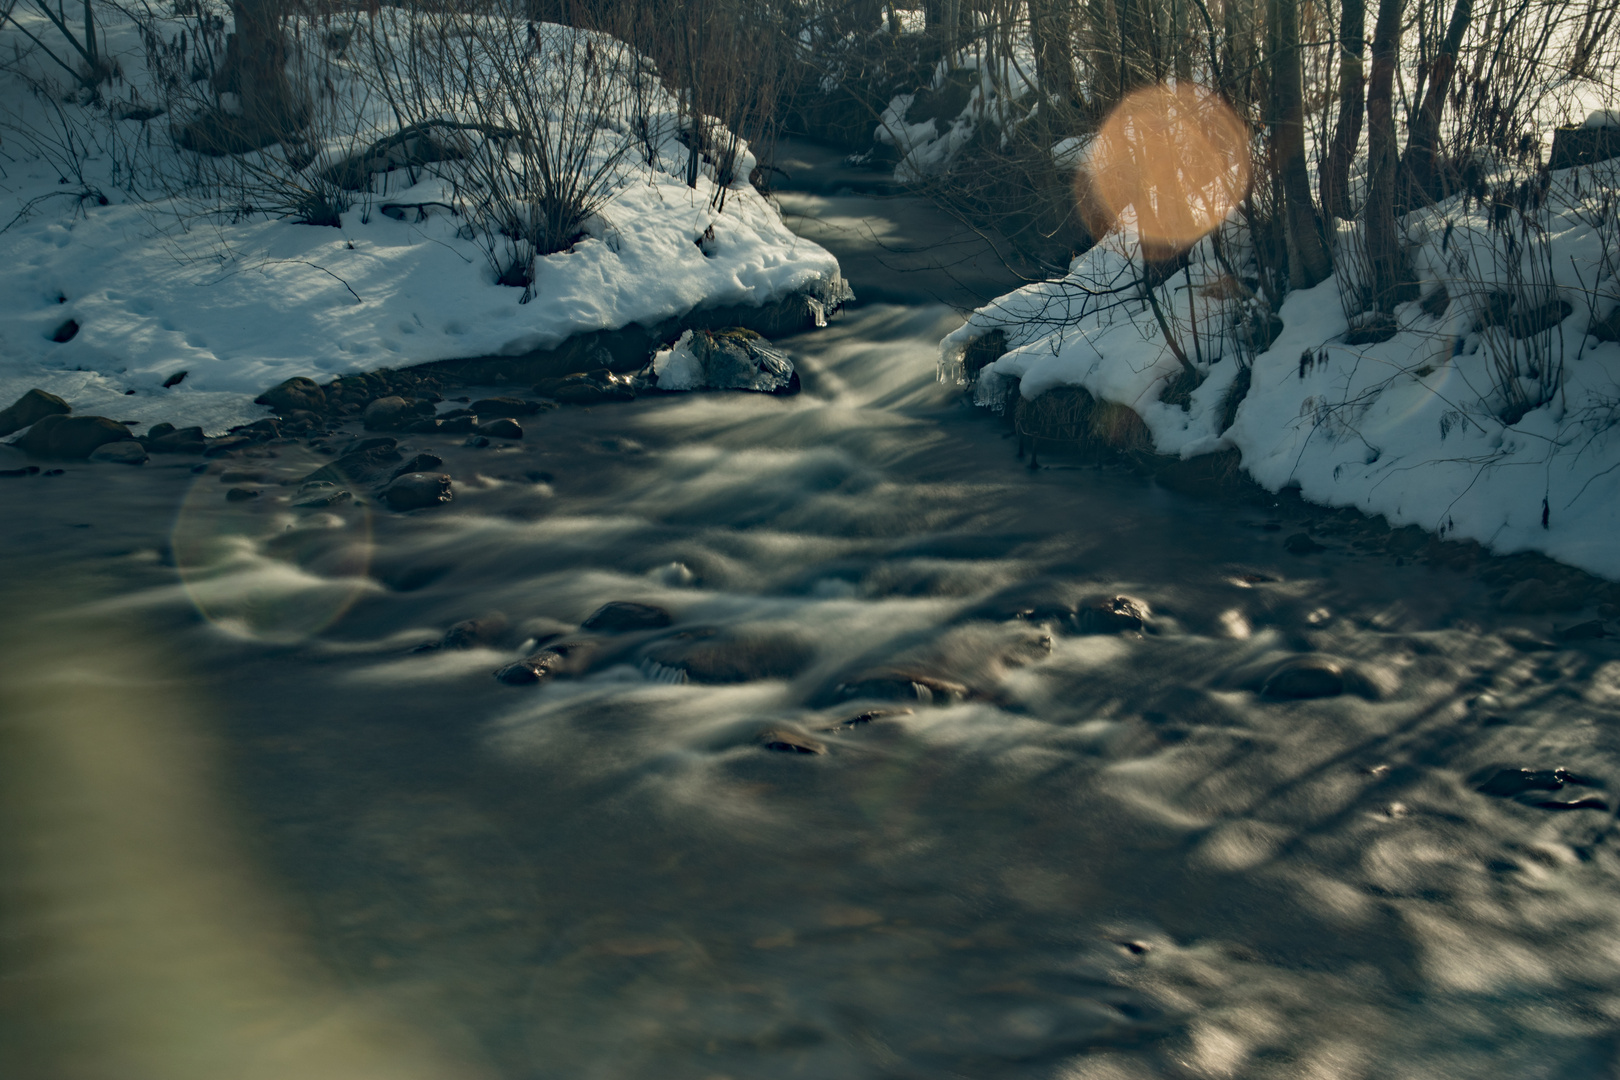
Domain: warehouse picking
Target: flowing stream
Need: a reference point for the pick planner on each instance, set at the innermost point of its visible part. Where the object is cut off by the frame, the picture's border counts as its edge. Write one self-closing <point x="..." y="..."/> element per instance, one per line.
<point x="942" y="768"/>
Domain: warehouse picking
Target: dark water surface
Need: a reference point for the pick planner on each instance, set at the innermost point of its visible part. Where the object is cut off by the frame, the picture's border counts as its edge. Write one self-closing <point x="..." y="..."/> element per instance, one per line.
<point x="251" y="833"/>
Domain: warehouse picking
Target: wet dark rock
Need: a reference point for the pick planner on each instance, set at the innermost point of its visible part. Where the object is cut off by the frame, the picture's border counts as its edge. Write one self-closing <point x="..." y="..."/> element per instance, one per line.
<point x="30" y="408"/>
<point x="371" y="460"/>
<point x="1591" y="630"/>
<point x="323" y="497"/>
<point x="1585" y="802"/>
<point x="26" y="470"/>
<point x="783" y="741"/>
<point x="428" y="425"/>
<point x="504" y="406"/>
<point x="241" y="494"/>
<point x="716" y="656"/>
<point x="419" y="463"/>
<point x="477" y="442"/>
<point x="168" y="439"/>
<point x="902" y="684"/>
<point x="1507" y="783"/>
<point x="1533" y="596"/>
<point x="1304" y="677"/>
<point x="556" y="660"/>
<point x="1301" y="544"/>
<point x="417" y="491"/>
<point x="1110" y="615"/>
<point x="394" y="413"/>
<point x="72" y="437"/>
<point x="459" y="425"/>
<point x="296" y="394"/>
<point x="125" y="452"/>
<point x="261" y="430"/>
<point x="470" y="633"/>
<point x="66" y="332"/>
<point x="586" y="388"/>
<point x="503" y="428"/>
<point x="230" y="444"/>
<point x="1036" y="602"/>
<point x="244" y="476"/>
<point x="870" y="716"/>
<point x="624" y="616"/>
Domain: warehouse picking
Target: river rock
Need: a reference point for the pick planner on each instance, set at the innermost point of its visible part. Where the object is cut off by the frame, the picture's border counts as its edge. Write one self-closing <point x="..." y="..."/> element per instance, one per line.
<point x="1110" y="615"/>
<point x="419" y="463"/>
<point x="717" y="656"/>
<point x="417" y="491"/>
<point x="31" y="408"/>
<point x="72" y="437"/>
<point x="557" y="660"/>
<point x="471" y="633"/>
<point x="123" y="452"/>
<point x="504" y="428"/>
<point x="504" y="406"/>
<point x="241" y="494"/>
<point x="369" y="459"/>
<point x="624" y="616"/>
<point x="167" y="439"/>
<point x="902" y="684"/>
<point x="1301" y="677"/>
<point x="586" y="388"/>
<point x="296" y="394"/>
<point x="784" y="741"/>
<point x="1301" y="544"/>
<point x="394" y="413"/>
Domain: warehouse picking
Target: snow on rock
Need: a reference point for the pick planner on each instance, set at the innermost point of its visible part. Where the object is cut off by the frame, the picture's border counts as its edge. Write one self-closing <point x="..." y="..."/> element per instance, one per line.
<point x="159" y="283"/>
<point x="734" y="359"/>
<point x="1420" y="427"/>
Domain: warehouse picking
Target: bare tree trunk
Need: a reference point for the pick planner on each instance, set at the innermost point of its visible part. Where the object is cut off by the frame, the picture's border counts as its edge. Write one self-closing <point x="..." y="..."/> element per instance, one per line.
<point x="254" y="69"/>
<point x="1424" y="136"/>
<point x="1335" y="178"/>
<point x="1383" y="247"/>
<point x="1308" y="251"/>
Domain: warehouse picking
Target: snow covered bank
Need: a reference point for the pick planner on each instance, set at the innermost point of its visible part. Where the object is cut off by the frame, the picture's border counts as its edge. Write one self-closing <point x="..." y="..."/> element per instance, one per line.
<point x="1489" y="412"/>
<point x="145" y="275"/>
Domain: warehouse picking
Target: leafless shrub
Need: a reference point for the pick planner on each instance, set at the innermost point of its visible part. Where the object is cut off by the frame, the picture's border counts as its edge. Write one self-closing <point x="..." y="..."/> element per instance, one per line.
<point x="532" y="121"/>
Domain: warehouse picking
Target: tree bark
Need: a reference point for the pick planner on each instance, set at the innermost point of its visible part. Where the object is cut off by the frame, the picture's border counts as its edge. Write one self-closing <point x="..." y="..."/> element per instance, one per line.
<point x="1383" y="247"/>
<point x="255" y="69"/>
<point x="1311" y="262"/>
<point x="1335" y="185"/>
<point x="1423" y="177"/>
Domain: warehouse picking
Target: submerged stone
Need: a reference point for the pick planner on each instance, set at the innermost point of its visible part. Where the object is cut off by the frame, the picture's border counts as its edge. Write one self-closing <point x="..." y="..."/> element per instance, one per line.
<point x="418" y="491"/>
<point x="124" y="452"/>
<point x="1304" y="677"/>
<point x="783" y="741"/>
<point x="624" y="616"/>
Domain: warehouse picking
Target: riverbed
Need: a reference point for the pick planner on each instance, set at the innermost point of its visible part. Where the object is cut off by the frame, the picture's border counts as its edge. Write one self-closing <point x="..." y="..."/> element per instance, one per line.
<point x="941" y="767"/>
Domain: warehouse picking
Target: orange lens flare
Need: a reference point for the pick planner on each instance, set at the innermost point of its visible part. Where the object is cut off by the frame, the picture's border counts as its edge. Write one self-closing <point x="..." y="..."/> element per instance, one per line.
<point x="1173" y="160"/>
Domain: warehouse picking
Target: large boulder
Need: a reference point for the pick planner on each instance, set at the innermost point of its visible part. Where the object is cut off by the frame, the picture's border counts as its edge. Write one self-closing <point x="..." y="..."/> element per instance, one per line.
<point x="297" y="393"/>
<point x="74" y="438"/>
<point x="30" y="408"/>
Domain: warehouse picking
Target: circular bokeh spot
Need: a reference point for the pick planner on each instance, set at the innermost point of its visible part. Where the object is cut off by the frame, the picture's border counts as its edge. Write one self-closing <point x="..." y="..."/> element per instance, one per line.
<point x="269" y="556"/>
<point x="1172" y="160"/>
